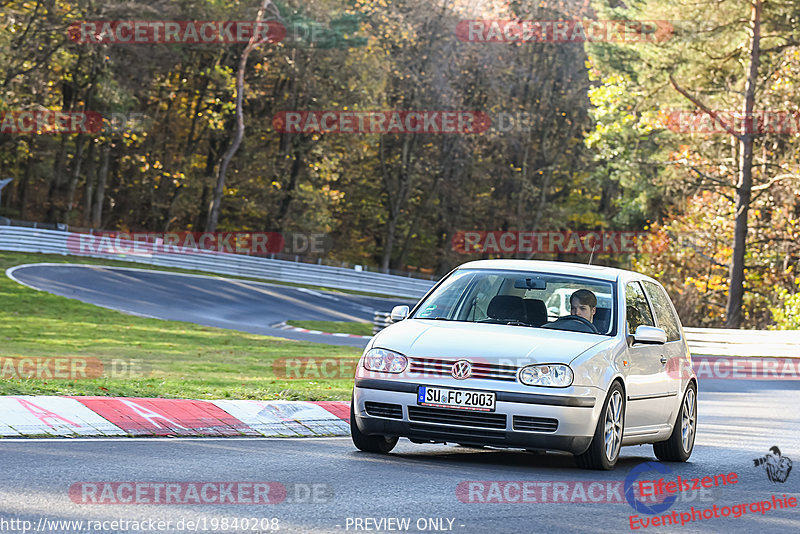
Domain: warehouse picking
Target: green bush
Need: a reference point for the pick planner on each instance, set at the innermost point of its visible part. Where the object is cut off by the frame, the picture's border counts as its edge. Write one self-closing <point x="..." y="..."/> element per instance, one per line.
<point x="787" y="317"/>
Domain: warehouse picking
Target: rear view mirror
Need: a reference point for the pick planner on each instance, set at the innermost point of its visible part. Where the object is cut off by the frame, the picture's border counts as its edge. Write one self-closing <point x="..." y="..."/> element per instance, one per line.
<point x="650" y="335"/>
<point x="399" y="313"/>
<point x="530" y="283"/>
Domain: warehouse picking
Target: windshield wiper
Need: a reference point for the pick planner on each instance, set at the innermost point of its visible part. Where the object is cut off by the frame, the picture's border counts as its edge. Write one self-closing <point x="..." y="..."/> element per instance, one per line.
<point x="506" y="323"/>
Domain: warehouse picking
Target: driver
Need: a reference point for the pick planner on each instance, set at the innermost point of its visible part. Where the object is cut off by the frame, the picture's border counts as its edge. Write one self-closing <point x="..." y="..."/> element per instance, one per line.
<point x="583" y="303"/>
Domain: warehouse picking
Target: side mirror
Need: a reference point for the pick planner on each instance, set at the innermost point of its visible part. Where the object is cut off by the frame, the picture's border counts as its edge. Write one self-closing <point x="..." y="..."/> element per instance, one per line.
<point x="650" y="335"/>
<point x="401" y="312"/>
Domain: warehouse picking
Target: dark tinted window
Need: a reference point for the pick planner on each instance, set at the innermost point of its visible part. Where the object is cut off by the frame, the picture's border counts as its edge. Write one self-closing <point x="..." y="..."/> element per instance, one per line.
<point x="636" y="309"/>
<point x="663" y="310"/>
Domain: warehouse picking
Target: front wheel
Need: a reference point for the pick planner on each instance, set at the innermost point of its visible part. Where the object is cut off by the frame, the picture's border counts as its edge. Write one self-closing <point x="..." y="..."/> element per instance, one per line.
<point x="678" y="447"/>
<point x="363" y="442"/>
<point x="607" y="441"/>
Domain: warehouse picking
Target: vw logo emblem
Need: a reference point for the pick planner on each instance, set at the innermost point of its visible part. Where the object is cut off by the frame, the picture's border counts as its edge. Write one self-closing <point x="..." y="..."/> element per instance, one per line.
<point x="461" y="370"/>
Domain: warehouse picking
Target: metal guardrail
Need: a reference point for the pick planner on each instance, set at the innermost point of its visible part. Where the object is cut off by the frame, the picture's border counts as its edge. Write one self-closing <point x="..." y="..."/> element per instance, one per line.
<point x="709" y="341"/>
<point x="20" y="239"/>
<point x="380" y="321"/>
<point x="722" y="342"/>
<point x="294" y="258"/>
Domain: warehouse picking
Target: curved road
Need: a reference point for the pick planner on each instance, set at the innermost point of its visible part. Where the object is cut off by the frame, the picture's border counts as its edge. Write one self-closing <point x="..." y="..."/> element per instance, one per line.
<point x="332" y="487"/>
<point x="206" y="300"/>
<point x="738" y="422"/>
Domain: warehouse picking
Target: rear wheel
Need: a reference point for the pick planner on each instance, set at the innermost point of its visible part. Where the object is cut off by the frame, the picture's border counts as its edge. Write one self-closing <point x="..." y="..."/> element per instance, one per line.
<point x="678" y="447"/>
<point x="607" y="441"/>
<point x="379" y="444"/>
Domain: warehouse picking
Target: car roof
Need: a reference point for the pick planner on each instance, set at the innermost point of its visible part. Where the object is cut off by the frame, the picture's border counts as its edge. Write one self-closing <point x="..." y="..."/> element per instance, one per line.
<point x="555" y="267"/>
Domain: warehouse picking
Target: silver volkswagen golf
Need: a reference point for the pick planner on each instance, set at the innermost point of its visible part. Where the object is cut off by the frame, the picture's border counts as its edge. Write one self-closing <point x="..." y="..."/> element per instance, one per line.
<point x="482" y="360"/>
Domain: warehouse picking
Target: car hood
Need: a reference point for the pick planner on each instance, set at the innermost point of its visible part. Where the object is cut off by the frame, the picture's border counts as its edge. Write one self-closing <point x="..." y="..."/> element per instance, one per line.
<point x="423" y="338"/>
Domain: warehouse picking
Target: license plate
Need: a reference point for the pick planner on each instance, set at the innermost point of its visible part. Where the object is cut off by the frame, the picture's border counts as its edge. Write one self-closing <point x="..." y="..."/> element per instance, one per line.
<point x="480" y="401"/>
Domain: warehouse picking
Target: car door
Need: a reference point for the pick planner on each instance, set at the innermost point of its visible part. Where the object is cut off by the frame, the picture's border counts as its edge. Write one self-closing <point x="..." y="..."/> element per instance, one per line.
<point x="674" y="349"/>
<point x="648" y="385"/>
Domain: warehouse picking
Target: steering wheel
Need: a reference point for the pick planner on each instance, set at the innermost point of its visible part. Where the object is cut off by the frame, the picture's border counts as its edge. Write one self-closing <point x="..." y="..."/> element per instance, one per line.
<point x="579" y="319"/>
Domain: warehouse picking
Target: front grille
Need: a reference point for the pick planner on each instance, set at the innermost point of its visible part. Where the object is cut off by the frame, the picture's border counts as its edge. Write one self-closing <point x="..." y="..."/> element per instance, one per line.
<point x="430" y="367"/>
<point x="534" y="424"/>
<point x="444" y="416"/>
<point x="380" y="409"/>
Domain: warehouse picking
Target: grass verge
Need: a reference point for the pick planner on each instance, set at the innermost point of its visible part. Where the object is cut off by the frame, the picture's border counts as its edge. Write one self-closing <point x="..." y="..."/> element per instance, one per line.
<point x="337" y="327"/>
<point x="143" y="357"/>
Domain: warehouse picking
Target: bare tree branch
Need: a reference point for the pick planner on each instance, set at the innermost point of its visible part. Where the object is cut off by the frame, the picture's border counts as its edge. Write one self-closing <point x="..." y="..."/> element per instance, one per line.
<point x="714" y="115"/>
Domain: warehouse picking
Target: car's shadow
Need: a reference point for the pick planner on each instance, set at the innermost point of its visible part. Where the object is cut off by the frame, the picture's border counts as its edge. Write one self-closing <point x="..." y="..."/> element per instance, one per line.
<point x="518" y="460"/>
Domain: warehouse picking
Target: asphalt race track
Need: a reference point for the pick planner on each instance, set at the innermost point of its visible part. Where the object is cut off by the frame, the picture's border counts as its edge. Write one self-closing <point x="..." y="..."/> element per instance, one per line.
<point x="206" y="300"/>
<point x="327" y="481"/>
<point x="331" y="487"/>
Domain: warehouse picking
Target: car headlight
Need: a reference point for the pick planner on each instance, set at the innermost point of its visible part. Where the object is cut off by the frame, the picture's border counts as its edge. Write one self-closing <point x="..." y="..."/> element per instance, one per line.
<point x="548" y="375"/>
<point x="385" y="361"/>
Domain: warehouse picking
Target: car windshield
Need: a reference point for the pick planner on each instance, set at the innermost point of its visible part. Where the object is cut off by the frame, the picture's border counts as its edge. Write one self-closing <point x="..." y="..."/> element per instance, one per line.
<point x="519" y="298"/>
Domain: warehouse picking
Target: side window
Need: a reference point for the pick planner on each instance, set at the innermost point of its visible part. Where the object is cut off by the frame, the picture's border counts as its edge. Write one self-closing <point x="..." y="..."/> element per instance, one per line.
<point x="664" y="314"/>
<point x="636" y="309"/>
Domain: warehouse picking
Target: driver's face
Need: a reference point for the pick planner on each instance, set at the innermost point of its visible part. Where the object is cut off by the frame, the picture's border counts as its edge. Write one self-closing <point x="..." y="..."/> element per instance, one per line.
<point x="582" y="310"/>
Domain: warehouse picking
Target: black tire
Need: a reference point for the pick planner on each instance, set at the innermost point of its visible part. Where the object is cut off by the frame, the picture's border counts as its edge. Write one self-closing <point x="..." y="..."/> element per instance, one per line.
<point x="596" y="456"/>
<point x="363" y="442"/>
<point x="675" y="448"/>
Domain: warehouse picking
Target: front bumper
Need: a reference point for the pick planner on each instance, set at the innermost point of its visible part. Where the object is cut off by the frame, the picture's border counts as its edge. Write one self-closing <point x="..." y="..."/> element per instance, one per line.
<point x="562" y="422"/>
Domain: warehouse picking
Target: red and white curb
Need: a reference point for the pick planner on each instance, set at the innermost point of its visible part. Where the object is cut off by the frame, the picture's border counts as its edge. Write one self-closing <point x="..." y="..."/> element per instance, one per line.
<point x="284" y="326"/>
<point x="35" y="416"/>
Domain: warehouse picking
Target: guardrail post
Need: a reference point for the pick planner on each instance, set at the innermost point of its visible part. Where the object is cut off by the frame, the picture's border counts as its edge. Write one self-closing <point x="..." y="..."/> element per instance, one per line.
<point x="380" y="321"/>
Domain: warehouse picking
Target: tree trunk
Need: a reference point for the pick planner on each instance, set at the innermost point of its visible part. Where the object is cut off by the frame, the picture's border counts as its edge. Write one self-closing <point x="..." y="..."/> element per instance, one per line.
<point x="91" y="178"/>
<point x="25" y="184"/>
<point x="102" y="179"/>
<point x="213" y="212"/>
<point x="391" y="229"/>
<point x="286" y="201"/>
<point x="450" y="162"/>
<point x="397" y="192"/>
<point x="76" y="174"/>
<point x="53" y="212"/>
<point x="733" y="315"/>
